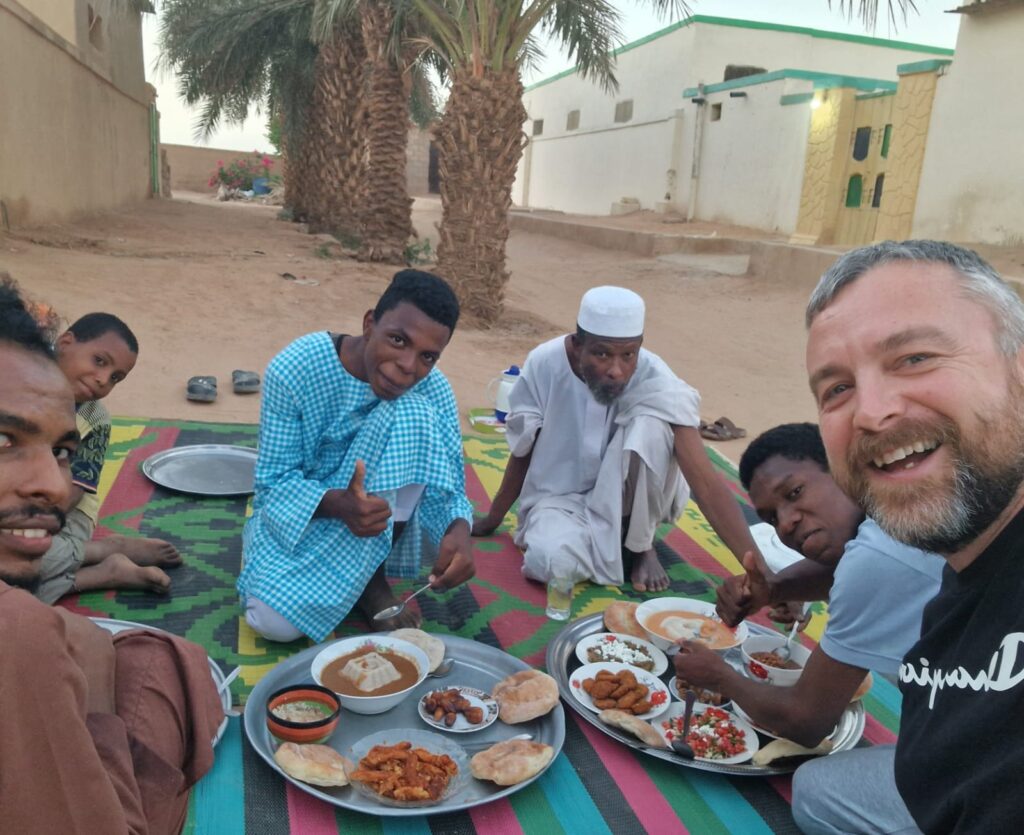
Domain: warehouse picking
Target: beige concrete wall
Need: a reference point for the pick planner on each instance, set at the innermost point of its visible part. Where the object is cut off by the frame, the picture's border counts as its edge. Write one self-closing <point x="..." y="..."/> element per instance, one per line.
<point x="417" y="162"/>
<point x="970" y="186"/>
<point x="192" y="165"/>
<point x="71" y="141"/>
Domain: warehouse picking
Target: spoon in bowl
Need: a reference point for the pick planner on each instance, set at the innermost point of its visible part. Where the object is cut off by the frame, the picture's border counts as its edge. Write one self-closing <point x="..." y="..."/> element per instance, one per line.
<point x="443" y="668"/>
<point x="785" y="652"/>
<point x="398" y="608"/>
<point x="679" y="743"/>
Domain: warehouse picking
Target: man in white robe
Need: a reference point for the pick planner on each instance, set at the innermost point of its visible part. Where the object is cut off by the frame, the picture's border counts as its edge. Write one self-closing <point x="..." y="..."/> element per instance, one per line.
<point x="605" y="447"/>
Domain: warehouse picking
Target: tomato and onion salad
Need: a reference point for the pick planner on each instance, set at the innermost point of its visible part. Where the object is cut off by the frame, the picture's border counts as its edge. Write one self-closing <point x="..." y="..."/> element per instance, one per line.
<point x="712" y="736"/>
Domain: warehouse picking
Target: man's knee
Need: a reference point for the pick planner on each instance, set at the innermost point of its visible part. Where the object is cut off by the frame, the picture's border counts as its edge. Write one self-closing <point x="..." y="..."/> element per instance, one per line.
<point x="268" y="623"/>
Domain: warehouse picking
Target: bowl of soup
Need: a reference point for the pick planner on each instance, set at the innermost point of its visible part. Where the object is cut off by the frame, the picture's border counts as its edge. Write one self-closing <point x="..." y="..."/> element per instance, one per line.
<point x="762" y="662"/>
<point x="370" y="673"/>
<point x="668" y="620"/>
<point x="303" y="713"/>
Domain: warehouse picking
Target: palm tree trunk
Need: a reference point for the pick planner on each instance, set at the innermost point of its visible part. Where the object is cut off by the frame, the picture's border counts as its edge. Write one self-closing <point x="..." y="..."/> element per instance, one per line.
<point x="384" y="197"/>
<point x="480" y="140"/>
<point x="333" y="138"/>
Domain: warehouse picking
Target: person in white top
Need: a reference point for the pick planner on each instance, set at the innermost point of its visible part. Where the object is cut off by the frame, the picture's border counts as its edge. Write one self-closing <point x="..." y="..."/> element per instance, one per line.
<point x="605" y="447"/>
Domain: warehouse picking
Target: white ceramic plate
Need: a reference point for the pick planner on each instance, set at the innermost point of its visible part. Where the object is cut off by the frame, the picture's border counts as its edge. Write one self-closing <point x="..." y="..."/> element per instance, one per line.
<point x="477" y="698"/>
<point x="657" y="656"/>
<point x="673" y="688"/>
<point x="742" y="714"/>
<point x="686" y="604"/>
<point x="434" y="743"/>
<point x="652" y="682"/>
<point x="677" y="711"/>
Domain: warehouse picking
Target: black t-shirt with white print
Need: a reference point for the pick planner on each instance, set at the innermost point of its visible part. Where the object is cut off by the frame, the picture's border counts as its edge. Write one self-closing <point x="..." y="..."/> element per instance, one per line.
<point x="960" y="753"/>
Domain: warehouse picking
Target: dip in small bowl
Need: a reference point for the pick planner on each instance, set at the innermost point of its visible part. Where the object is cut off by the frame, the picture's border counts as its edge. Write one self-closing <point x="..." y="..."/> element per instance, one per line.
<point x="760" y="660"/>
<point x="303" y="713"/>
<point x="410" y="661"/>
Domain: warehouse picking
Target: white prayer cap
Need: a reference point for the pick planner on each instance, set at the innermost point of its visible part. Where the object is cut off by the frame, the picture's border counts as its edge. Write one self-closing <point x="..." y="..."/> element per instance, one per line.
<point x="614" y="312"/>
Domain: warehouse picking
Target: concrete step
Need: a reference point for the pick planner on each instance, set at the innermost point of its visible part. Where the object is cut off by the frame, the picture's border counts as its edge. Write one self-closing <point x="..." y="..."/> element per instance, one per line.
<point x="720" y="264"/>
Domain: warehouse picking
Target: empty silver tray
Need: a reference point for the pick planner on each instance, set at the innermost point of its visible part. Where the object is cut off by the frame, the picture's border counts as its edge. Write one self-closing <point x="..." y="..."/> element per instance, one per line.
<point x="204" y="469"/>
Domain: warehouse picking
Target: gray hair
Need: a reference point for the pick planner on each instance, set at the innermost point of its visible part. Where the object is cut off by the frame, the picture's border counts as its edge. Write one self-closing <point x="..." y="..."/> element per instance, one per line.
<point x="979" y="282"/>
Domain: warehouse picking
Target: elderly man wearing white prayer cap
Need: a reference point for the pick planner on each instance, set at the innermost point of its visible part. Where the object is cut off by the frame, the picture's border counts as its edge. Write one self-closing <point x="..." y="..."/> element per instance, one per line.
<point x="605" y="447"/>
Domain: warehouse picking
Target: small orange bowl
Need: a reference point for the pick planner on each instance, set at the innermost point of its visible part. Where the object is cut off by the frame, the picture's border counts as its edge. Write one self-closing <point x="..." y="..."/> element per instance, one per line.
<point x="320" y="699"/>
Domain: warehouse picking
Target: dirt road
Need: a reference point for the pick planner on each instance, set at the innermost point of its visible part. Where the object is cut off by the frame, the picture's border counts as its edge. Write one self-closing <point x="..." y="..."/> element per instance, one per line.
<point x="200" y="283"/>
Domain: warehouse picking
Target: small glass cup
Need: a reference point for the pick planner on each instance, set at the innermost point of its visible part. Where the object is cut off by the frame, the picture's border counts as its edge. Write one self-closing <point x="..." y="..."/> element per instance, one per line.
<point x="560" y="598"/>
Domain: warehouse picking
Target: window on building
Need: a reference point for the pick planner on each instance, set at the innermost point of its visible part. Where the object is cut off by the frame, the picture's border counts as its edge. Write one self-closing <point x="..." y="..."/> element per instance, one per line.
<point x="716" y="112"/>
<point x="572" y="121"/>
<point x="538" y="127"/>
<point x="861" y="141"/>
<point x="624" y="110"/>
<point x="854" y="189"/>
<point x="886" y="139"/>
<point x="876" y="198"/>
<point x="96" y="36"/>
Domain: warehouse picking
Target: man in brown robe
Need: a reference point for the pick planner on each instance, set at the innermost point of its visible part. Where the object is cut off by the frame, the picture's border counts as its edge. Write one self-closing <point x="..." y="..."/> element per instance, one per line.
<point x="97" y="734"/>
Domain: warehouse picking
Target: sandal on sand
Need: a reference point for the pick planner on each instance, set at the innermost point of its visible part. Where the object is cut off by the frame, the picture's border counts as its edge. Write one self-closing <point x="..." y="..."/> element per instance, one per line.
<point x="202" y="389"/>
<point x="245" y="382"/>
<point x="722" y="429"/>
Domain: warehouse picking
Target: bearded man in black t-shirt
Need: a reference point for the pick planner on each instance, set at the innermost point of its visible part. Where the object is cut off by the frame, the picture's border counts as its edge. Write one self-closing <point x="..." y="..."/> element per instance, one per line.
<point x="915" y="357"/>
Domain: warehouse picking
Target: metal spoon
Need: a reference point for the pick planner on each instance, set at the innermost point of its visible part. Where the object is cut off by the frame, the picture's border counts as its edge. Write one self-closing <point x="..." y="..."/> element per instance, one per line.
<point x="679" y="743"/>
<point x="398" y="608"/>
<point x="481" y="746"/>
<point x="785" y="652"/>
<point x="443" y="668"/>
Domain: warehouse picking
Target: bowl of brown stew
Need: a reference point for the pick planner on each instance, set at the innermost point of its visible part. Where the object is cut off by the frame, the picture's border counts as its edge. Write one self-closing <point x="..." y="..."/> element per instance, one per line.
<point x="370" y="673"/>
<point x="303" y="713"/>
<point x="761" y="660"/>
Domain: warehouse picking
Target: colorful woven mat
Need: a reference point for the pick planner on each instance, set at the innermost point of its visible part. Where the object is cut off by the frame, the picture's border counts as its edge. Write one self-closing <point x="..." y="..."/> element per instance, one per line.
<point x="628" y="792"/>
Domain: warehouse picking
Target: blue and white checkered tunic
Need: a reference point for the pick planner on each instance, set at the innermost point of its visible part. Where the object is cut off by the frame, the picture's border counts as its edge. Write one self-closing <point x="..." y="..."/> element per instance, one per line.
<point x="316" y="421"/>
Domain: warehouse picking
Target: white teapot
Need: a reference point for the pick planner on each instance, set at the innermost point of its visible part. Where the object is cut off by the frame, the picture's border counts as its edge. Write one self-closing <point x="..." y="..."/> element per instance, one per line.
<point x="499" y="390"/>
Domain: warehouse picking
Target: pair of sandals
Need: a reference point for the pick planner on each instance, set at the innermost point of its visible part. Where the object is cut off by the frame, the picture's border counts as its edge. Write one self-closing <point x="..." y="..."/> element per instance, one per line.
<point x="203" y="388"/>
<point x="722" y="429"/>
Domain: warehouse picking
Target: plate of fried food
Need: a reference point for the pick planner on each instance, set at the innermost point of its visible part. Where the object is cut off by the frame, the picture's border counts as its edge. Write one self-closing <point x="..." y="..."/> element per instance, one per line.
<point x="623" y="649"/>
<point x="458" y="709"/>
<point x="616" y="686"/>
<point x="407" y="767"/>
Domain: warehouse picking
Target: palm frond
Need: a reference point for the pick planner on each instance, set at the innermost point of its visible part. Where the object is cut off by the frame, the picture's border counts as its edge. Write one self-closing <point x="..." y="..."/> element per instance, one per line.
<point x="867" y="10"/>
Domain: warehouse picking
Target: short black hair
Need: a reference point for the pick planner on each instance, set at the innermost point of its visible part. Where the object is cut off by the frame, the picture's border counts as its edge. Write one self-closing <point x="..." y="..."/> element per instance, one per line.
<point x="429" y="292"/>
<point x="94" y="325"/>
<point x="17" y="325"/>
<point x="793" y="441"/>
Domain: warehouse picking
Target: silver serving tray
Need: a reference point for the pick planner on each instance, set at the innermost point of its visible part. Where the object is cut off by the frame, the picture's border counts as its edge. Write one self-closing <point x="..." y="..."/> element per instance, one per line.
<point x="476" y="665"/>
<point x="114" y="626"/>
<point x="204" y="469"/>
<point x="561" y="660"/>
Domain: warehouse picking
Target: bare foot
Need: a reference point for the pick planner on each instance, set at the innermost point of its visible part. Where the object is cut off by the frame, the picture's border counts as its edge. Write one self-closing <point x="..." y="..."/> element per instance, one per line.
<point x="138" y="549"/>
<point x="378" y="596"/>
<point x="119" y="572"/>
<point x="647" y="573"/>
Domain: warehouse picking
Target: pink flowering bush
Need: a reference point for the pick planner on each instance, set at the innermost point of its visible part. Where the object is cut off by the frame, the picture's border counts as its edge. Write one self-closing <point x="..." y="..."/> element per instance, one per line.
<point x="239" y="173"/>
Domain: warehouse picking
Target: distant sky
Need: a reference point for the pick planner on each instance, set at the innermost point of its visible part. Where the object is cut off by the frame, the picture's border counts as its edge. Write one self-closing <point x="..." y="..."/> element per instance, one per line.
<point x="932" y="25"/>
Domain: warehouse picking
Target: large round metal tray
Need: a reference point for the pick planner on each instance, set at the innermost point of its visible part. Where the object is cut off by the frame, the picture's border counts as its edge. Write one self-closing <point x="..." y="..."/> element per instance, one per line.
<point x="114" y="626"/>
<point x="204" y="469"/>
<point x="561" y="661"/>
<point x="476" y="665"/>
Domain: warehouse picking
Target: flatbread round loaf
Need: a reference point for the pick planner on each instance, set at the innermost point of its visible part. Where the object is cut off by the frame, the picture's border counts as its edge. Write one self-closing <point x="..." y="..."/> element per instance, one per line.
<point x="633" y="725"/>
<point x="524" y="696"/>
<point x="431" y="645"/>
<point x="779" y="749"/>
<point x="319" y="765"/>
<point x="511" y="761"/>
<point x="620" y="617"/>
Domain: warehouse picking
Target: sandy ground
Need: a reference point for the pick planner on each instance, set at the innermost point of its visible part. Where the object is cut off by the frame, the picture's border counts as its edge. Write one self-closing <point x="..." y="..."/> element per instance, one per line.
<point x="200" y="283"/>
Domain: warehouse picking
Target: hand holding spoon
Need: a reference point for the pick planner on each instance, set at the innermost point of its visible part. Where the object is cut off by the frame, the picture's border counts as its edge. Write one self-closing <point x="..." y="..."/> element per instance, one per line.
<point x="398" y="608"/>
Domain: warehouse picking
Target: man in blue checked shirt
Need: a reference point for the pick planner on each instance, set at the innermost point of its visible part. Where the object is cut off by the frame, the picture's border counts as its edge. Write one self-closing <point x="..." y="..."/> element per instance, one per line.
<point x="360" y="455"/>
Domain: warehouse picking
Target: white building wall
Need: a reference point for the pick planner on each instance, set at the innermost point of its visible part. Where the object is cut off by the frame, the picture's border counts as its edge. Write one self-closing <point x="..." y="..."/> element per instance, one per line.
<point x="752" y="159"/>
<point x="970" y="187"/>
<point x="587" y="170"/>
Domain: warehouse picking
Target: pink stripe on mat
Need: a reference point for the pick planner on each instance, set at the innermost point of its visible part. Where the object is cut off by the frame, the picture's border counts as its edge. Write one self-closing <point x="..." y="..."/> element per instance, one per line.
<point x="783" y="784"/>
<point x="496" y="818"/>
<point x="309" y="816"/>
<point x="876" y="733"/>
<point x="644" y="798"/>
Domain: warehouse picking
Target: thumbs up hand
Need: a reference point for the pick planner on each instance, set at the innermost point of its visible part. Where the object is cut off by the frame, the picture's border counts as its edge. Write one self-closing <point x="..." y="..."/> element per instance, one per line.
<point x="365" y="514"/>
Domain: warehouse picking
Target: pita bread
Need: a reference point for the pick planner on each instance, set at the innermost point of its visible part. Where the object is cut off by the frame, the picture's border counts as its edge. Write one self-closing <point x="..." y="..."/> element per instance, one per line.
<point x="779" y="749"/>
<point x="620" y="617"/>
<point x="631" y="724"/>
<point x="431" y="645"/>
<point x="524" y="696"/>
<point x="319" y="765"/>
<point x="511" y="761"/>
